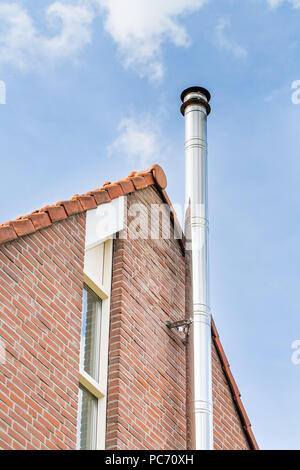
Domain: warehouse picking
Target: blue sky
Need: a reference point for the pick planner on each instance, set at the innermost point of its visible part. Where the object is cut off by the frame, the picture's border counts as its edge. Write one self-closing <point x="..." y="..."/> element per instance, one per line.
<point x="87" y="79"/>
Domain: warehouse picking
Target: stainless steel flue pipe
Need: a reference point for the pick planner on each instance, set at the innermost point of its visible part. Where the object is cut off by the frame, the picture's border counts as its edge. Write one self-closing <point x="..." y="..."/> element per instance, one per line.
<point x="195" y="108"/>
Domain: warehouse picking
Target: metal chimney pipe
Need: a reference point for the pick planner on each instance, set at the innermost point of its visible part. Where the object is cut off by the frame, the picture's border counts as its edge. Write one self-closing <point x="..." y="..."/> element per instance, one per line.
<point x="195" y="109"/>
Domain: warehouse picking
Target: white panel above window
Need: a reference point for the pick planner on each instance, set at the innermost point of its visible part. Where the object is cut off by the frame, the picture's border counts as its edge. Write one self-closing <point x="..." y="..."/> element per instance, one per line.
<point x="104" y="221"/>
<point x="94" y="263"/>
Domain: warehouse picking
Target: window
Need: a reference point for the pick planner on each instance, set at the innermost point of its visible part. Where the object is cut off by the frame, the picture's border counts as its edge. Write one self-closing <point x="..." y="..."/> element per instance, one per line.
<point x="94" y="347"/>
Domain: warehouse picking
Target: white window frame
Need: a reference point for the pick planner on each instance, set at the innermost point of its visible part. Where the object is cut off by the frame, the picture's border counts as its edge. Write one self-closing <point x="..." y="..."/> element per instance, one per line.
<point x="99" y="388"/>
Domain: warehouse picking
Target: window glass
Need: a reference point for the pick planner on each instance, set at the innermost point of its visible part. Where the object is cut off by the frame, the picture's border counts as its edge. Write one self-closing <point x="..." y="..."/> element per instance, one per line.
<point x="90" y="333"/>
<point x="87" y="420"/>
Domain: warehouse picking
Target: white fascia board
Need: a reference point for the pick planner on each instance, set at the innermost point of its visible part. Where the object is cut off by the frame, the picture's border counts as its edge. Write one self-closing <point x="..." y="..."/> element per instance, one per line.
<point x="105" y="221"/>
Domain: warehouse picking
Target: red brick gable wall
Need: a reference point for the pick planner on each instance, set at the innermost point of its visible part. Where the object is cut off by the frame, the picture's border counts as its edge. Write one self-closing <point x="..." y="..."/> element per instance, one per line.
<point x="146" y="384"/>
<point x="41" y="301"/>
<point x="228" y="430"/>
<point x="41" y="281"/>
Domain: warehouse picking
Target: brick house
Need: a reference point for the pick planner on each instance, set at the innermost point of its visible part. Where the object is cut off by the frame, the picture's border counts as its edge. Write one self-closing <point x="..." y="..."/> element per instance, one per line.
<point x="86" y="272"/>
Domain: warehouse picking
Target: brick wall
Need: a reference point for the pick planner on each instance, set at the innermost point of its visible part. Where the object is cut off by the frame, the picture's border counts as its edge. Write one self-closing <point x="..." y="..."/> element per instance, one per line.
<point x="228" y="431"/>
<point x="41" y="300"/>
<point x="146" y="384"/>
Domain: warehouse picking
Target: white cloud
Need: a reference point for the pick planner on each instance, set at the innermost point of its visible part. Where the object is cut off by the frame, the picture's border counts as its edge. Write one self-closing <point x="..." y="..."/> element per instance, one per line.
<point x="223" y="42"/>
<point x="17" y="32"/>
<point x="75" y="29"/>
<point x="141" y="27"/>
<point x="140" y="141"/>
<point x="277" y="3"/>
<point x="25" y="46"/>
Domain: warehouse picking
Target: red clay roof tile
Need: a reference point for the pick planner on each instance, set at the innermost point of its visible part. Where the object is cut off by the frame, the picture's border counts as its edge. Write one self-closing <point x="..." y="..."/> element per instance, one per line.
<point x="72" y="206"/>
<point x="56" y="213"/>
<point x="126" y="185"/>
<point x="87" y="202"/>
<point x="138" y="181"/>
<point x="7" y="233"/>
<point x="101" y="196"/>
<point x="114" y="190"/>
<point x="149" y="180"/>
<point x="160" y="176"/>
<point x="40" y="220"/>
<point x="22" y="226"/>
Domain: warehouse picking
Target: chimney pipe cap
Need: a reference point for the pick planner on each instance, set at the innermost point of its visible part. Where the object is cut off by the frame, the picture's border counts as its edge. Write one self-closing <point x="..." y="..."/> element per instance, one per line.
<point x="192" y="89"/>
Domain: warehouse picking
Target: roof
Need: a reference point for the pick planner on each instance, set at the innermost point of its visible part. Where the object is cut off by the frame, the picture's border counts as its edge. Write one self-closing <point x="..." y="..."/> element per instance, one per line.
<point x="233" y="388"/>
<point x="48" y="215"/>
